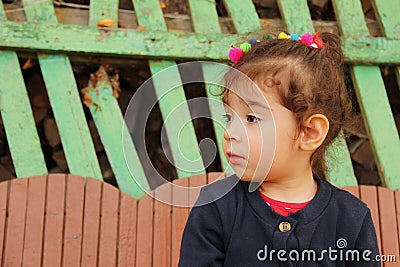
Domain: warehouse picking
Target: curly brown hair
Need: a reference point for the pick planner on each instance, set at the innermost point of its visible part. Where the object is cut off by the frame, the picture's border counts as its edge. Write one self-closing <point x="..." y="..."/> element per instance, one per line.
<point x="313" y="83"/>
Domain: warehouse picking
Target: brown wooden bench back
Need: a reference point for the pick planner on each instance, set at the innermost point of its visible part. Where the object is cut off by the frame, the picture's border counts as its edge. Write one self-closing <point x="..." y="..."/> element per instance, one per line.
<point x="61" y="220"/>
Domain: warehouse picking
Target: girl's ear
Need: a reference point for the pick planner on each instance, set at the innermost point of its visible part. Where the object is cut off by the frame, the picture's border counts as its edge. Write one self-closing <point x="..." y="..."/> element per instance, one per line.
<point x="315" y="129"/>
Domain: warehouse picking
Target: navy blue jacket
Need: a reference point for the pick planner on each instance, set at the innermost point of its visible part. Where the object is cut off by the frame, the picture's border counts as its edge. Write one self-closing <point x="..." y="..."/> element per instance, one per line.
<point x="237" y="228"/>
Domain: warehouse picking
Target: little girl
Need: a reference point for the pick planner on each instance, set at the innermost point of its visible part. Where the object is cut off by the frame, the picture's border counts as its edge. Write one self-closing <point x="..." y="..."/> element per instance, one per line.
<point x="280" y="120"/>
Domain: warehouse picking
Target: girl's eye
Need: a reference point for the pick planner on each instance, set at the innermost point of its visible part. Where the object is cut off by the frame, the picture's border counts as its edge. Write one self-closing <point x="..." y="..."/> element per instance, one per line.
<point x="227" y="117"/>
<point x="252" y="119"/>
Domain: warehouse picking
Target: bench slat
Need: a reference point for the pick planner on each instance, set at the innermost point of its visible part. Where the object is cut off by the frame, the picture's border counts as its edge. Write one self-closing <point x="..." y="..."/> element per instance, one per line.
<point x="369" y="195"/>
<point x="243" y="14"/>
<point x="372" y="98"/>
<point x="18" y="119"/>
<point x="118" y="144"/>
<point x="205" y="20"/>
<point x="297" y="19"/>
<point x="388" y="19"/>
<point x="73" y="221"/>
<point x="3" y="215"/>
<point x="110" y="122"/>
<point x="182" y="140"/>
<point x="179" y="217"/>
<point x="65" y="101"/>
<point x="162" y="226"/>
<point x="91" y="222"/>
<point x="103" y="9"/>
<point x="14" y="242"/>
<point x="397" y="201"/>
<point x="296" y="16"/>
<point x="127" y="231"/>
<point x="54" y="220"/>
<point x="36" y="204"/>
<point x="389" y="234"/>
<point x="109" y="226"/>
<point x="144" y="246"/>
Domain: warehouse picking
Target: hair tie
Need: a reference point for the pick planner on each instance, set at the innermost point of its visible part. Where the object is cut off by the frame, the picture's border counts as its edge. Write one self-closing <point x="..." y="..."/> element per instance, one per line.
<point x="236" y="53"/>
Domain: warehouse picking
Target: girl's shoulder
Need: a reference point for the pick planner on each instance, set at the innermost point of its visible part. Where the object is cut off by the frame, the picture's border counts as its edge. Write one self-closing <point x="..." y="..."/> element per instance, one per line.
<point x="345" y="198"/>
<point x="223" y="190"/>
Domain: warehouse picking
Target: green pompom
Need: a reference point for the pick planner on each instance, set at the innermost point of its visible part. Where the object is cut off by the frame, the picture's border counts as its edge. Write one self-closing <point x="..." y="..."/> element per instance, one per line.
<point x="245" y="47"/>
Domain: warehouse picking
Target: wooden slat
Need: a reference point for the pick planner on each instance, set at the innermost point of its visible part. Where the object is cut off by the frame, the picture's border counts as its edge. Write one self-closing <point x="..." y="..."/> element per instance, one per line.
<point x="14" y="241"/>
<point x="210" y="70"/>
<point x="195" y="184"/>
<point x="170" y="94"/>
<point x="340" y="169"/>
<point x="296" y="16"/>
<point x="3" y="215"/>
<point x="389" y="234"/>
<point x="388" y="19"/>
<point x="214" y="176"/>
<point x="36" y="203"/>
<point x="127" y="231"/>
<point x="379" y="122"/>
<point x="18" y="119"/>
<point x="180" y="213"/>
<point x="54" y="220"/>
<point x="353" y="190"/>
<point x="369" y="195"/>
<point x="297" y="19"/>
<point x="205" y="19"/>
<point x="144" y="244"/>
<point x="204" y="16"/>
<point x="110" y="123"/>
<point x="387" y="13"/>
<point x="371" y="94"/>
<point x="24" y="36"/>
<point x="118" y="143"/>
<point x="397" y="201"/>
<point x="162" y="225"/>
<point x="91" y="222"/>
<point x="65" y="101"/>
<point x="73" y="221"/>
<point x="109" y="226"/>
<point x="244" y="15"/>
<point x="103" y="9"/>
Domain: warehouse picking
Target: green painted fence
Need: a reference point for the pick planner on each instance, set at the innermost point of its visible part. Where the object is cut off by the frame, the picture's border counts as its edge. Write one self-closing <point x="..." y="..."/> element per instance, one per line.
<point x="54" y="42"/>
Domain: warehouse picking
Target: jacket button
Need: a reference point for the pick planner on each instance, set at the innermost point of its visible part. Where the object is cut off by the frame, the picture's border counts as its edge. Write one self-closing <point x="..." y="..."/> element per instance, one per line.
<point x="284" y="227"/>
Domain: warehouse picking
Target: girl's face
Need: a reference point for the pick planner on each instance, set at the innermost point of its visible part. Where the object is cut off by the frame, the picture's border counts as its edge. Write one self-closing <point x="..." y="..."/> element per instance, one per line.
<point x="259" y="140"/>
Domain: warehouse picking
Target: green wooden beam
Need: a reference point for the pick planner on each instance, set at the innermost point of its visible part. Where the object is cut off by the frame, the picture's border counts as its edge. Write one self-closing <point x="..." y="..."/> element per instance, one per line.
<point x="244" y="15"/>
<point x="180" y="130"/>
<point x="296" y="16"/>
<point x="23" y="36"/>
<point x="109" y="120"/>
<point x="17" y="116"/>
<point x="65" y="100"/>
<point x="297" y="19"/>
<point x="205" y="20"/>
<point x="18" y="119"/>
<point x="387" y="13"/>
<point x="372" y="98"/>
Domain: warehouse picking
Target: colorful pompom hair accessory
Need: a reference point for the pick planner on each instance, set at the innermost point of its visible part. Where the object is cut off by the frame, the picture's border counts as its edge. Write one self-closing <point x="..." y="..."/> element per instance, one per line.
<point x="236" y="53"/>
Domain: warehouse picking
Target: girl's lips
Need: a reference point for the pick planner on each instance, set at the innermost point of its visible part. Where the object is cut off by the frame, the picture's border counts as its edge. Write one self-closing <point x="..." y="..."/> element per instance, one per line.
<point x="234" y="159"/>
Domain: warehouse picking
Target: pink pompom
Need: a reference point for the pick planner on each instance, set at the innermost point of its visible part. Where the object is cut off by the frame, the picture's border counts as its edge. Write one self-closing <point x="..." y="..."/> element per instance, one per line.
<point x="306" y="39"/>
<point x="235" y="54"/>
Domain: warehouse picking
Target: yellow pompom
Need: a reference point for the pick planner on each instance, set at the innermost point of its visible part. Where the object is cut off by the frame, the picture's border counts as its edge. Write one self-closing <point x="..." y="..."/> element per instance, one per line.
<point x="283" y="35"/>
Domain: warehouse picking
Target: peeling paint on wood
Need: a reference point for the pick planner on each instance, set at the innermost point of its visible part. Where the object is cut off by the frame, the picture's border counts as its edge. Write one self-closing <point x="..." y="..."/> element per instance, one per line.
<point x="161" y="45"/>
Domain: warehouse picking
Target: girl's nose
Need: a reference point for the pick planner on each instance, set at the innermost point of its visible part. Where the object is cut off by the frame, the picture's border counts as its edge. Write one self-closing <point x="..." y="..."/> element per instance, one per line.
<point x="233" y="131"/>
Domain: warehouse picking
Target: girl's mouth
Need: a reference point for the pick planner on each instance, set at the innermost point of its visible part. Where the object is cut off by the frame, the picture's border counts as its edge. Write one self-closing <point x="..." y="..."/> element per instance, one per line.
<point x="234" y="158"/>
